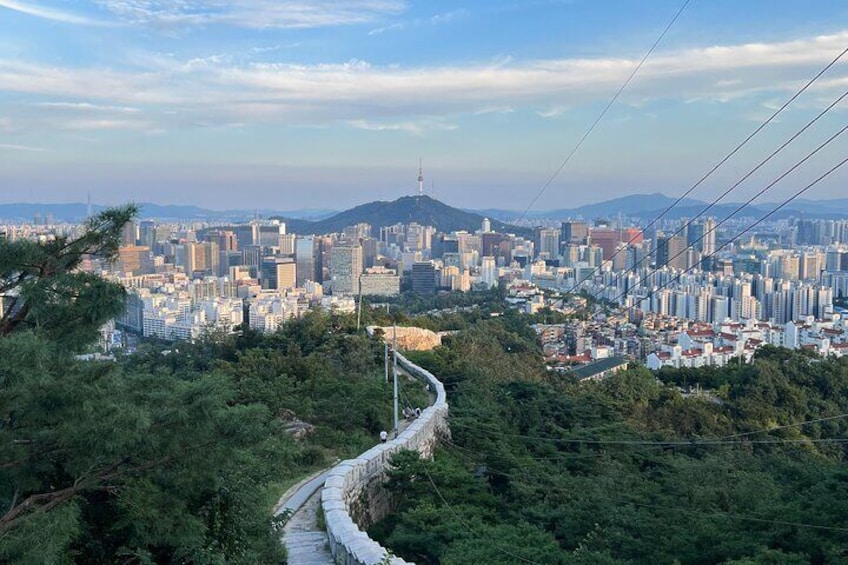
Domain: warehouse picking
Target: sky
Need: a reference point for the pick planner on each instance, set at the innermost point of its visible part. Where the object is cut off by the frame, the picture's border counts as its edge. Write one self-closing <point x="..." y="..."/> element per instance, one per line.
<point x="291" y="104"/>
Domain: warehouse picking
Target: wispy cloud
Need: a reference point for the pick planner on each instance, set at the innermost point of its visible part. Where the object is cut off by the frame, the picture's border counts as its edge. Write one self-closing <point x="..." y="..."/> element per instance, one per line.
<point x="418" y="127"/>
<point x="397" y="26"/>
<point x="447" y="17"/>
<point x="494" y="110"/>
<point x="50" y="13"/>
<point x="16" y="147"/>
<point x="89" y="107"/>
<point x="434" y="20"/>
<point x="254" y="14"/>
<point x="553" y="111"/>
<point x="95" y="124"/>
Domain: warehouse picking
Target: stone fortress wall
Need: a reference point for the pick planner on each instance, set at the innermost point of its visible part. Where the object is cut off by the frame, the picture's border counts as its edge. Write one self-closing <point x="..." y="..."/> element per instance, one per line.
<point x="353" y="494"/>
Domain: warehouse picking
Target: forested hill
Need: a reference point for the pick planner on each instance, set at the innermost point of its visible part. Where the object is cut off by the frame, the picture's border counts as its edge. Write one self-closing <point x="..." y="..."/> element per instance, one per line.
<point x="628" y="470"/>
<point x="421" y="209"/>
<point x="176" y="453"/>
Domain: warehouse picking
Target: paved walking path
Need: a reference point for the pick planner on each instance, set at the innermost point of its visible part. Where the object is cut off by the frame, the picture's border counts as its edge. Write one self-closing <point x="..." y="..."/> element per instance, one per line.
<point x="305" y="543"/>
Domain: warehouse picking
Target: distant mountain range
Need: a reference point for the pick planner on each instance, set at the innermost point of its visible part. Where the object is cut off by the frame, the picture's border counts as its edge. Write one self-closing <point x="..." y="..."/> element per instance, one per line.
<point x="427" y="211"/>
<point x="652" y="205"/>
<point x="75" y="212"/>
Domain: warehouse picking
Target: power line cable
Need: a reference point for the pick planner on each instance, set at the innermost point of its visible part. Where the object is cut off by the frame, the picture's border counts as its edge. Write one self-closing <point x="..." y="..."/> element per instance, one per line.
<point x="746" y="203"/>
<point x="712" y="204"/>
<point x="463" y="522"/>
<point x="730" y="515"/>
<point x="455" y="514"/>
<point x="740" y="517"/>
<point x="753" y="225"/>
<point x="603" y="113"/>
<point x="721" y="162"/>
<point x="783" y="427"/>
<point x="694" y="442"/>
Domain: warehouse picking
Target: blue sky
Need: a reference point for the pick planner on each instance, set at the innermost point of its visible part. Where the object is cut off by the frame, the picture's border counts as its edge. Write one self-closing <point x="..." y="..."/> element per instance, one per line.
<point x="330" y="103"/>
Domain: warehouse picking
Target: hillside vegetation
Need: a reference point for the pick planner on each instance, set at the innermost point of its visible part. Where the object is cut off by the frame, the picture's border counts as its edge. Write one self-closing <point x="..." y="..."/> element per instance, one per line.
<point x="628" y="470"/>
<point x="177" y="453"/>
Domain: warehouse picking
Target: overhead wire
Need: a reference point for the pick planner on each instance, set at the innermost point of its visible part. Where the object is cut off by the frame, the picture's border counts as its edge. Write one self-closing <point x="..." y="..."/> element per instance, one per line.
<point x="684" y="226"/>
<point x="747" y="229"/>
<point x="405" y="401"/>
<point x="603" y="112"/>
<point x="719" y="164"/>
<point x="692" y="442"/>
<point x="724" y="514"/>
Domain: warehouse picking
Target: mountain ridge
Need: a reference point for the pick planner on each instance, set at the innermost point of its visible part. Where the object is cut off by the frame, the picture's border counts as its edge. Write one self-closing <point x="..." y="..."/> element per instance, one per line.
<point x="429" y="211"/>
<point x="406" y="209"/>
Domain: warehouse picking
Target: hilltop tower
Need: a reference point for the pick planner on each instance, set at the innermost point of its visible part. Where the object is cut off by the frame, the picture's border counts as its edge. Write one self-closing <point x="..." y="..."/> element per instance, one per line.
<point x="420" y="178"/>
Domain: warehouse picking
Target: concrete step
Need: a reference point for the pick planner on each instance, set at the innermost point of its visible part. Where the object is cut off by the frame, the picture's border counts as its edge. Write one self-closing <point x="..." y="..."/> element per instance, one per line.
<point x="308" y="548"/>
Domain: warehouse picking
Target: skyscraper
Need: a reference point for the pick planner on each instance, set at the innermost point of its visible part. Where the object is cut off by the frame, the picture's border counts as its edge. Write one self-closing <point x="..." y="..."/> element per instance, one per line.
<point x="671" y="252"/>
<point x="345" y="267"/>
<point x="574" y="232"/>
<point x="489" y="271"/>
<point x="547" y="243"/>
<point x="424" y="277"/>
<point x="305" y="248"/>
<point x="278" y="273"/>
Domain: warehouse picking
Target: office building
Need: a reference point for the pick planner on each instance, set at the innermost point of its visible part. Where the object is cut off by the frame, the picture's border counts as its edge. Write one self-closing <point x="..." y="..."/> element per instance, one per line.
<point x="345" y="268"/>
<point x="278" y="273"/>
<point x="424" y="277"/>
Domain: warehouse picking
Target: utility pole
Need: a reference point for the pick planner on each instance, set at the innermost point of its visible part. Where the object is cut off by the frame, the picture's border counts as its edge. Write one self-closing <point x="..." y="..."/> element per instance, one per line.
<point x="359" y="306"/>
<point x="386" y="350"/>
<point x="394" y="348"/>
<point x="386" y="358"/>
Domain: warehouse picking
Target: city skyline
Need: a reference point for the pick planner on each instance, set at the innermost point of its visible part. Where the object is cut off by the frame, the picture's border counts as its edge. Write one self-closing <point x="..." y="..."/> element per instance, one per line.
<point x="292" y="105"/>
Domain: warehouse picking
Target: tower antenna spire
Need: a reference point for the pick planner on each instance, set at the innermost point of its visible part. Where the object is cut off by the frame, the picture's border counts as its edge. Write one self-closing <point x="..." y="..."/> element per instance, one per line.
<point x="420" y="178"/>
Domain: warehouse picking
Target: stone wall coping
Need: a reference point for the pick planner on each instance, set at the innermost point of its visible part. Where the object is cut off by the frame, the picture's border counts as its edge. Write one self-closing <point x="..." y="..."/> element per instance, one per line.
<point x="346" y="480"/>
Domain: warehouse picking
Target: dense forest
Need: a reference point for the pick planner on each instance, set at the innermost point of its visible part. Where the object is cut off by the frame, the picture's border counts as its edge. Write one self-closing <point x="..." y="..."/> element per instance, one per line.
<point x="541" y="469"/>
<point x="174" y="454"/>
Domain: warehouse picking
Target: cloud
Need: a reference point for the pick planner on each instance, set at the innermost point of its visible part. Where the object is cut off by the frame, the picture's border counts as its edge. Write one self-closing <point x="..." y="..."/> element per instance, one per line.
<point x="435" y="20"/>
<point x="221" y="89"/>
<point x="391" y="27"/>
<point x="94" y="124"/>
<point x="494" y="110"/>
<point x="49" y="13"/>
<point x="414" y="127"/>
<point x="553" y="111"/>
<point x="253" y="14"/>
<point x="15" y="147"/>
<point x="447" y="17"/>
<point x="89" y="107"/>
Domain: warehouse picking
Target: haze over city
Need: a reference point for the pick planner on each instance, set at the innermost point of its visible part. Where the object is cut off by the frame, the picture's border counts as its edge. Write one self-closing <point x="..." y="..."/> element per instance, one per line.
<point x="330" y="104"/>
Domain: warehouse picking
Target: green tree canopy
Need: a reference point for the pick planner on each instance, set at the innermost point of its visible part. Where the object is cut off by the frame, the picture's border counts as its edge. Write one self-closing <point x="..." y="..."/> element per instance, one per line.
<point x="45" y="290"/>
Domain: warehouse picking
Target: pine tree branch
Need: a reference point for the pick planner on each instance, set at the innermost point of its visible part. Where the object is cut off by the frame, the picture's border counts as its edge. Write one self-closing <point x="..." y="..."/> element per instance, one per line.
<point x="45" y="501"/>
